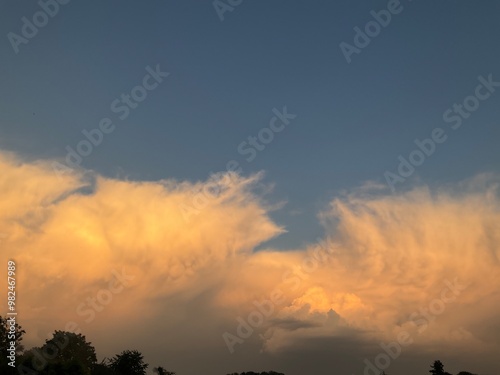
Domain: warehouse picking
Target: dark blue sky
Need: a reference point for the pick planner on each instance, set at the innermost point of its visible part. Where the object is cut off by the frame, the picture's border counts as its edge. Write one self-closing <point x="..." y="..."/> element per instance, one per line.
<point x="353" y="120"/>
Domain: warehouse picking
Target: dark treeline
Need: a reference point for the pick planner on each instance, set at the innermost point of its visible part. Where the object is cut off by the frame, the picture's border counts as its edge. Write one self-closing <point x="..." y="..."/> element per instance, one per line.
<point x="68" y="353"/>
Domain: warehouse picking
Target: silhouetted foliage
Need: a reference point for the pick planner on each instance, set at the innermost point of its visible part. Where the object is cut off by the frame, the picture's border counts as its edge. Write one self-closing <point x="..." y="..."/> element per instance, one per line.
<point x="64" y="353"/>
<point x="161" y="371"/>
<point x="72" y="367"/>
<point x="5" y="340"/>
<point x="129" y="362"/>
<point x="71" y="349"/>
<point x="437" y="368"/>
<point x="25" y="363"/>
<point x="103" y="368"/>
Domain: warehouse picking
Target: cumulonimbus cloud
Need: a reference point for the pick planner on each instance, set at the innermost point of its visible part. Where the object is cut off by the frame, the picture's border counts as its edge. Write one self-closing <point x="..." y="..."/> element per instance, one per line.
<point x="390" y="255"/>
<point x="393" y="256"/>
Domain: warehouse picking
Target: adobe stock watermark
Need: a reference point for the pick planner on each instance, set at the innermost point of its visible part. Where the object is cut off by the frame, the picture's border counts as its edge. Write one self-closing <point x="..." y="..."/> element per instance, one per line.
<point x="363" y="37"/>
<point x="455" y="115"/>
<point x="249" y="149"/>
<point x="421" y="318"/>
<point x="104" y="297"/>
<point x="265" y="308"/>
<point x="89" y="308"/>
<point x="122" y="107"/>
<point x="223" y="6"/>
<point x="31" y="26"/>
<point x="265" y="135"/>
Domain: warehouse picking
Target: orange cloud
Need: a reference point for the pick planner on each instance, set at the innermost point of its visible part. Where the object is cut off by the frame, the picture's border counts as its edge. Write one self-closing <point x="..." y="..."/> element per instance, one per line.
<point x="387" y="257"/>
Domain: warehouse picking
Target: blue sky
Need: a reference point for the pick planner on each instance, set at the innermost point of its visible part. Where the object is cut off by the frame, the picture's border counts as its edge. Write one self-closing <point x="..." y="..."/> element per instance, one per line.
<point x="353" y="120"/>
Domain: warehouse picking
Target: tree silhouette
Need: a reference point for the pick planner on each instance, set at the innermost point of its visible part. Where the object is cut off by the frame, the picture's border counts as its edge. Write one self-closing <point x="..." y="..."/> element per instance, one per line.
<point x="103" y="368"/>
<point x="129" y="362"/>
<point x="4" y="336"/>
<point x="161" y="371"/>
<point x="72" y="367"/>
<point x="71" y="350"/>
<point x="5" y="340"/>
<point x="437" y="368"/>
